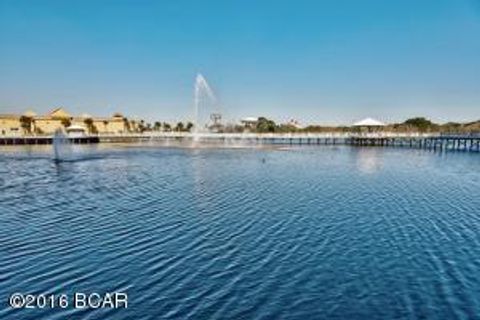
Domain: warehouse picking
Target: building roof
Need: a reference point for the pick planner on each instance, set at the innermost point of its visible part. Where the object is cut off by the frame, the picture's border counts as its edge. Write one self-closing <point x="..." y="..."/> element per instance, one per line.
<point x="368" y="122"/>
<point x="59" y="113"/>
<point x="97" y="119"/>
<point x="249" y="119"/>
<point x="47" y="118"/>
<point x="29" y="113"/>
<point x="85" y="116"/>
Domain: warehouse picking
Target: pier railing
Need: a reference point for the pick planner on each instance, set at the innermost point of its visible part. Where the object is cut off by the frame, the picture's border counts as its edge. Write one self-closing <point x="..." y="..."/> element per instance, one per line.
<point x="174" y="134"/>
<point x="433" y="141"/>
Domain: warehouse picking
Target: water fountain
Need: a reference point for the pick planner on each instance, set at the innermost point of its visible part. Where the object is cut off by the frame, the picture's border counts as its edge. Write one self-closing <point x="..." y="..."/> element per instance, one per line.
<point x="201" y="88"/>
<point x="61" y="145"/>
<point x="207" y="120"/>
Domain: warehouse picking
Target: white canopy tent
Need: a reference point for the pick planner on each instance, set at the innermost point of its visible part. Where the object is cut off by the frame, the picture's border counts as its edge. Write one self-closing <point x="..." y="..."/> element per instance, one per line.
<point x="369" y="122"/>
<point x="249" y="119"/>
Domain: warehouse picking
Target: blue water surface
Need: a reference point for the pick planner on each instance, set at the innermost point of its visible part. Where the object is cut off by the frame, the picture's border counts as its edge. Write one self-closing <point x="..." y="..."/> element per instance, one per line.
<point x="219" y="233"/>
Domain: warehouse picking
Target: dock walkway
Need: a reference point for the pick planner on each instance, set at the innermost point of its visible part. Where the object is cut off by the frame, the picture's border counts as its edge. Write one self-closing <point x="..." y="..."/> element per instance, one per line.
<point x="413" y="140"/>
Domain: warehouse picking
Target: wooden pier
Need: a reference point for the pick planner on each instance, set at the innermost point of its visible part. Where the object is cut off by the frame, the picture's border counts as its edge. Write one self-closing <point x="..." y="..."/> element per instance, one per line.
<point x="436" y="142"/>
<point x="440" y="143"/>
<point x="45" y="140"/>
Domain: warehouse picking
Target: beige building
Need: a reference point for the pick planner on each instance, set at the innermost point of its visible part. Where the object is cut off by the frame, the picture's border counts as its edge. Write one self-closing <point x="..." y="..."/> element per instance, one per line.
<point x="30" y="123"/>
<point x="115" y="124"/>
<point x="10" y="125"/>
<point x="48" y="124"/>
<point x="102" y="125"/>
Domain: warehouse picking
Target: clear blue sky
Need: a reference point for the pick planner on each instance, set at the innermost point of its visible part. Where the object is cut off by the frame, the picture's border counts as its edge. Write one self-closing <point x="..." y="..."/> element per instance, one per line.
<point x="331" y="61"/>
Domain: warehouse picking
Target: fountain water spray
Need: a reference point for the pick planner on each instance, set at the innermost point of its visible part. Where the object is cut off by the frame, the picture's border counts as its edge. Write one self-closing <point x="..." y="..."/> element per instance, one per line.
<point x="60" y="144"/>
<point x="201" y="86"/>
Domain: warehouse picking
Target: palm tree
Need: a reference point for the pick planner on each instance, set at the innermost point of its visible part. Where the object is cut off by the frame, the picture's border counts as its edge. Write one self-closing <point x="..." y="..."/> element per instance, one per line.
<point x="133" y="125"/>
<point x="157" y="125"/>
<point x="189" y="126"/>
<point x="167" y="126"/>
<point x="180" y="126"/>
<point x="66" y="122"/>
<point x="265" y="125"/>
<point x="90" y="126"/>
<point x="141" y="126"/>
<point x="26" y="123"/>
<point x="126" y="124"/>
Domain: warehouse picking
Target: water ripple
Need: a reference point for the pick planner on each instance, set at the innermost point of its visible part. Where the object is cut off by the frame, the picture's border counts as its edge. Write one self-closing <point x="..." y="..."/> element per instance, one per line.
<point x="250" y="234"/>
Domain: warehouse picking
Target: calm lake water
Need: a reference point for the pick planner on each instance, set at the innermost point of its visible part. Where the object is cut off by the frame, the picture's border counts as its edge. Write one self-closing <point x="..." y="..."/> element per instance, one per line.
<point x="302" y="233"/>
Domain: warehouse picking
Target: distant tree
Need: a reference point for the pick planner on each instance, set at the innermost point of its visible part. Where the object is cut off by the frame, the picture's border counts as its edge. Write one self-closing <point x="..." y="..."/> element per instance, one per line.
<point x="238" y="128"/>
<point x="167" y="126"/>
<point x="284" y="128"/>
<point x="91" y="128"/>
<point x="265" y="125"/>
<point x="452" y="127"/>
<point x="133" y="126"/>
<point x="319" y="129"/>
<point x="157" y="126"/>
<point x="420" y="123"/>
<point x="472" y="127"/>
<point x="66" y="122"/>
<point x="180" y="127"/>
<point x="126" y="124"/>
<point x="189" y="126"/>
<point x="141" y="126"/>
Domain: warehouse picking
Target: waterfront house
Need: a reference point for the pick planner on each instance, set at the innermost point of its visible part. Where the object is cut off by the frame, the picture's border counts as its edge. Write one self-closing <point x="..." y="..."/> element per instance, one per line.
<point x="115" y="124"/>
<point x="30" y="123"/>
<point x="48" y="124"/>
<point x="10" y="125"/>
